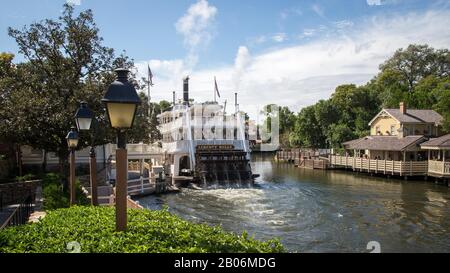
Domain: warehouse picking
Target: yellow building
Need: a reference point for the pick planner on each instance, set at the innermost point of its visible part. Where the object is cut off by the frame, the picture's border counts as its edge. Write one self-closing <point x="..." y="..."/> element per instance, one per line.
<point x="393" y="146"/>
<point x="396" y="134"/>
<point x="406" y="122"/>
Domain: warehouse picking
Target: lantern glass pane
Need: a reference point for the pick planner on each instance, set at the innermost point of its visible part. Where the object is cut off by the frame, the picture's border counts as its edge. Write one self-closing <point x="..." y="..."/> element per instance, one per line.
<point x="73" y="143"/>
<point x="121" y="114"/>
<point x="84" y="123"/>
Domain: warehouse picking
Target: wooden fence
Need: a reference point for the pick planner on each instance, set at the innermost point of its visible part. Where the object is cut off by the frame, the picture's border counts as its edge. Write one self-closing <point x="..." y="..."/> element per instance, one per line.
<point x="439" y="168"/>
<point x="402" y="168"/>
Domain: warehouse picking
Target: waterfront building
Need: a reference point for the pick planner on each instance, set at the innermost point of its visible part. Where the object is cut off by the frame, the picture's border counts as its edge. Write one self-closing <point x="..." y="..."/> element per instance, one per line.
<point x="438" y="156"/>
<point x="394" y="144"/>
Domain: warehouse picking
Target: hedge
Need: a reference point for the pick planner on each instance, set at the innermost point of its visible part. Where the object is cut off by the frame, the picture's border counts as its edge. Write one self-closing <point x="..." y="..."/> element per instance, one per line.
<point x="54" y="195"/>
<point x="148" y="231"/>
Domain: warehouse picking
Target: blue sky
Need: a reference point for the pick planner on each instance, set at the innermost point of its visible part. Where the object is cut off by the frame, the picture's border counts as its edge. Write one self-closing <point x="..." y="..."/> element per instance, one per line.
<point x="289" y="52"/>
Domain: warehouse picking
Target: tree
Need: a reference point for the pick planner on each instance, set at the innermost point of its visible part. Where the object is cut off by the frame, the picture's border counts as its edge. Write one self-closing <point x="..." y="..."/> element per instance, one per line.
<point x="65" y="63"/>
<point x="339" y="133"/>
<point x="442" y="106"/>
<point x="307" y="130"/>
<point x="417" y="62"/>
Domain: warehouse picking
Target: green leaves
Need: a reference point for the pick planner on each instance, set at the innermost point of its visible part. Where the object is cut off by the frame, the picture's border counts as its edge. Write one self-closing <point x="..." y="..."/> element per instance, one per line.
<point x="148" y="231"/>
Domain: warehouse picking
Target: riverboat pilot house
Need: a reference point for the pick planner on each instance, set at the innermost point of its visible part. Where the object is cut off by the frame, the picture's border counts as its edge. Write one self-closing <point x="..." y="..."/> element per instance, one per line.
<point x="397" y="144"/>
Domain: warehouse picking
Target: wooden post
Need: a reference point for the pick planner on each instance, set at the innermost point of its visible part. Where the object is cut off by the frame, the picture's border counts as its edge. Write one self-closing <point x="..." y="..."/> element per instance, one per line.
<point x="121" y="189"/>
<point x="410" y="168"/>
<point x="141" y="173"/>
<point x="93" y="171"/>
<point x="72" y="176"/>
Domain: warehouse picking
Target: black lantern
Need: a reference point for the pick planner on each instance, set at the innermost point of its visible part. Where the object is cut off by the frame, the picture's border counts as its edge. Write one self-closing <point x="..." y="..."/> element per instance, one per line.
<point x="121" y="101"/>
<point x="72" y="138"/>
<point x="83" y="117"/>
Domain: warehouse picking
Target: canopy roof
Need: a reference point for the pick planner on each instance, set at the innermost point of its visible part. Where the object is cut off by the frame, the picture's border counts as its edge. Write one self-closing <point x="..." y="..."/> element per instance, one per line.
<point x="442" y="142"/>
<point x="385" y="143"/>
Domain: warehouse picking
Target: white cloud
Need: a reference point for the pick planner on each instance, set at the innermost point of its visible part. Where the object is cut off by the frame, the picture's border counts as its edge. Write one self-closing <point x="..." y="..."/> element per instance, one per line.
<point x="343" y="24"/>
<point x="318" y="10"/>
<point x="374" y="2"/>
<point x="284" y="14"/>
<point x="298" y="76"/>
<point x="383" y="2"/>
<point x="196" y="24"/>
<point x="279" y="37"/>
<point x="73" y="2"/>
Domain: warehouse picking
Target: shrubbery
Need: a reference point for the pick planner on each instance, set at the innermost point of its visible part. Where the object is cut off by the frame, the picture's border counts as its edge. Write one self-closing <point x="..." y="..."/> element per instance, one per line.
<point x="148" y="231"/>
<point x="54" y="195"/>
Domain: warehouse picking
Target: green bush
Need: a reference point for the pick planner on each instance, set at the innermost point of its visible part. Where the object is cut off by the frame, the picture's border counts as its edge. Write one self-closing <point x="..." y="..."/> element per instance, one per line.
<point x="148" y="231"/>
<point x="26" y="177"/>
<point x="54" y="195"/>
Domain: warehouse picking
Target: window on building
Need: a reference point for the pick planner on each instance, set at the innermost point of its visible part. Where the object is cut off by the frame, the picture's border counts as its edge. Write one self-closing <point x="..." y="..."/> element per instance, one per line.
<point x="377" y="130"/>
<point x="392" y="132"/>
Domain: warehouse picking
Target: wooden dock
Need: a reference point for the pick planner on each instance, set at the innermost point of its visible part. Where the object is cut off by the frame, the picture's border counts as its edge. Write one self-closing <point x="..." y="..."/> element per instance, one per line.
<point x="303" y="159"/>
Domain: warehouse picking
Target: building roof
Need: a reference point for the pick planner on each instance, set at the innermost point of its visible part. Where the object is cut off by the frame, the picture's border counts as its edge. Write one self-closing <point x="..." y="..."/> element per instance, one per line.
<point x="440" y="142"/>
<point x="384" y="143"/>
<point x="416" y="116"/>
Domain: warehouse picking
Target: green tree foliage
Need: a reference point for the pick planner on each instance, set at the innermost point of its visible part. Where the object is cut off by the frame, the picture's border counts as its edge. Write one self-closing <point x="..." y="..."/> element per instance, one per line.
<point x="410" y="74"/>
<point x="442" y="91"/>
<point x="66" y="63"/>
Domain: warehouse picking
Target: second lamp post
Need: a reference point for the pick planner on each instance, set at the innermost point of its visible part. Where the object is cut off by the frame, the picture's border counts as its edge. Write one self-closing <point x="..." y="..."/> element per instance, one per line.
<point x="85" y="119"/>
<point x="72" y="143"/>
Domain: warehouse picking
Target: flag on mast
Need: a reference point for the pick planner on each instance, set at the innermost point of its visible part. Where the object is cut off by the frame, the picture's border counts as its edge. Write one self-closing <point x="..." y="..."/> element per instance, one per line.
<point x="150" y="76"/>
<point x="216" y="89"/>
<point x="150" y="83"/>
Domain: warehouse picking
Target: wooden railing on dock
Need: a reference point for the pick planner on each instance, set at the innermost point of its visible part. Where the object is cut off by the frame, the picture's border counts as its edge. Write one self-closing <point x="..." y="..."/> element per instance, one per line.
<point x="304" y="158"/>
<point x="439" y="167"/>
<point x="402" y="168"/>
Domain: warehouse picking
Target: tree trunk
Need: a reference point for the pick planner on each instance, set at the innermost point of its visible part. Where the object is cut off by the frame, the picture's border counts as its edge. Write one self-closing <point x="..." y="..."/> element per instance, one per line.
<point x="19" y="159"/>
<point x="63" y="169"/>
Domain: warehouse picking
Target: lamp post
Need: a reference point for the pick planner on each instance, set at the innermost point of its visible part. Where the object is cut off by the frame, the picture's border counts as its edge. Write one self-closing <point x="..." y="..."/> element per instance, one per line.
<point x="72" y="143"/>
<point x="84" y="119"/>
<point x="121" y="100"/>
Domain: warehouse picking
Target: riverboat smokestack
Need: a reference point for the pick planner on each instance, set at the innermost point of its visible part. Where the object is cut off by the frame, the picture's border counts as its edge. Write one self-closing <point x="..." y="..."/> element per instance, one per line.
<point x="186" y="90"/>
<point x="173" y="99"/>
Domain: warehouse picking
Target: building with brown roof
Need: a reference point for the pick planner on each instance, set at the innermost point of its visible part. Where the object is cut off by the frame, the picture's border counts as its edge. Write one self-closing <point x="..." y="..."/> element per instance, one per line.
<point x="396" y="134"/>
<point x="397" y="143"/>
<point x="438" y="155"/>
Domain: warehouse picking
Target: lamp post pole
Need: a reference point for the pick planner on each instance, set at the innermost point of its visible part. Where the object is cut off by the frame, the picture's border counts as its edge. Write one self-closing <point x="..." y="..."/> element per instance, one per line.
<point x="93" y="171"/>
<point x="72" y="143"/>
<point x="121" y="182"/>
<point x="121" y="101"/>
<point x="85" y="119"/>
<point x="72" y="176"/>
